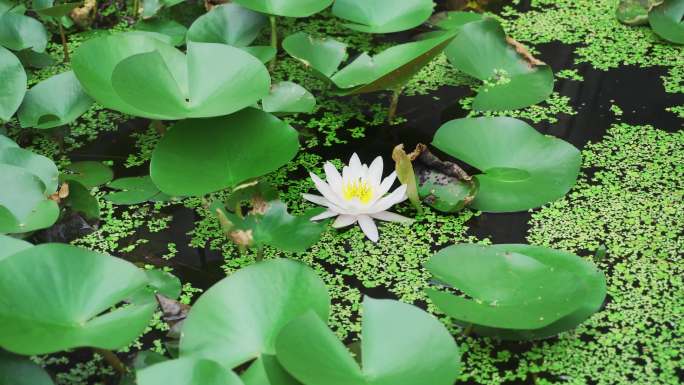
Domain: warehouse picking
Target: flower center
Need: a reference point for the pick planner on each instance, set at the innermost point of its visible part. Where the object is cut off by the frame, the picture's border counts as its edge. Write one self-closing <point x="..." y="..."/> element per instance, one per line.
<point x="357" y="189"/>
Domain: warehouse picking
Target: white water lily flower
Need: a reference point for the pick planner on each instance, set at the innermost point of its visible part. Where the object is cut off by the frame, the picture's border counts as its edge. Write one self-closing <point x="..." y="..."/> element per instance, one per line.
<point x="358" y="195"/>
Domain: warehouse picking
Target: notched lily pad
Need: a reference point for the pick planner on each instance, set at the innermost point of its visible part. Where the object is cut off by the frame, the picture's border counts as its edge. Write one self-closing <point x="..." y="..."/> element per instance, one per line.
<point x="134" y="190"/>
<point x="532" y="292"/>
<point x="89" y="173"/>
<point x="667" y="20"/>
<point x="383" y="16"/>
<point x="288" y="97"/>
<point x="635" y="12"/>
<point x="322" y="54"/>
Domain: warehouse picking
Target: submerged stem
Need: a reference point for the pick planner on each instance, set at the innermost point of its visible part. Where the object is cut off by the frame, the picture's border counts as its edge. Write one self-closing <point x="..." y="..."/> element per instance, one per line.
<point x="113" y="360"/>
<point x="65" y="44"/>
<point x="394" y="102"/>
<point x="274" y="41"/>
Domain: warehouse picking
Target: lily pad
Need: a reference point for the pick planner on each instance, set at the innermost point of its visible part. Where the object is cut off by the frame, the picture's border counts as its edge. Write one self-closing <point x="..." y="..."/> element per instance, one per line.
<point x="239" y="318"/>
<point x="455" y="19"/>
<point x="82" y="201"/>
<point x="324" y="55"/>
<point x="134" y="190"/>
<point x="401" y="345"/>
<point x="213" y="80"/>
<point x="42" y="216"/>
<point x="391" y="68"/>
<point x="10" y="245"/>
<point x="512" y="77"/>
<point x="50" y="10"/>
<point x="18" y="370"/>
<point x="30" y="58"/>
<point x="521" y="168"/>
<point x="89" y="173"/>
<point x="288" y="97"/>
<point x="266" y="370"/>
<point x="186" y="371"/>
<point x="53" y="297"/>
<point x="264" y="53"/>
<point x="278" y="228"/>
<point x="13" y="80"/>
<point x="18" y="32"/>
<point x="229" y="24"/>
<point x="667" y="20"/>
<point x="54" y="102"/>
<point x="290" y="8"/>
<point x="244" y="145"/>
<point x="38" y="165"/>
<point x="171" y="28"/>
<point x="532" y="292"/>
<point x="152" y="7"/>
<point x="635" y="12"/>
<point x="383" y="16"/>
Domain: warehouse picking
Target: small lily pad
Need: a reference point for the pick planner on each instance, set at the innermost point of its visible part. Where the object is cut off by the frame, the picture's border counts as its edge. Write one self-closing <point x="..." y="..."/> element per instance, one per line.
<point x="289" y="8"/>
<point x="288" y="97"/>
<point x="521" y="168"/>
<point x="324" y="55"/>
<point x="532" y="292"/>
<point x="89" y="173"/>
<point x="229" y="24"/>
<point x="383" y="16"/>
<point x="54" y="102"/>
<point x="82" y="201"/>
<point x="13" y="80"/>
<point x="171" y="28"/>
<point x="18" y="32"/>
<point x="134" y="190"/>
<point x="667" y="20"/>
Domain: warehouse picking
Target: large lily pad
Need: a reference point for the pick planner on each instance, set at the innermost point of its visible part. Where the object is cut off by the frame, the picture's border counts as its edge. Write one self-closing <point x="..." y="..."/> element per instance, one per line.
<point x="213" y="80"/>
<point x="401" y="345"/>
<point x="511" y="77"/>
<point x="229" y="24"/>
<point x="531" y="292"/>
<point x="288" y="97"/>
<point x="391" y="68"/>
<point x="13" y="80"/>
<point x="289" y="8"/>
<point x="54" y="102"/>
<point x="200" y="156"/>
<point x="521" y="168"/>
<point x="185" y="371"/>
<point x="324" y="55"/>
<point x="667" y="20"/>
<point x="239" y="318"/>
<point x="383" y="16"/>
<point x="18" y="32"/>
<point x="52" y="298"/>
<point x="10" y="245"/>
<point x="18" y="370"/>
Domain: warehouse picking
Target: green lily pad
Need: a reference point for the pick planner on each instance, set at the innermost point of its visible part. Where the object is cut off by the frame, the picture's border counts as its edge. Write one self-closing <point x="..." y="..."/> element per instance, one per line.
<point x="383" y="16"/>
<point x="401" y="345"/>
<point x="266" y="370"/>
<point x="171" y="28"/>
<point x="244" y="145"/>
<point x="532" y="292"/>
<point x="667" y="20"/>
<point x="635" y="12"/>
<point x="443" y="192"/>
<point x="54" y="102"/>
<point x="324" y="55"/>
<point x="213" y="80"/>
<point x="455" y="19"/>
<point x="288" y="97"/>
<point x="82" y="201"/>
<point x="239" y="318"/>
<point x="42" y="216"/>
<point x="229" y="24"/>
<point x="391" y="68"/>
<point x="10" y="245"/>
<point x="38" y="165"/>
<point x="18" y="370"/>
<point x="21" y="192"/>
<point x="290" y="8"/>
<point x="511" y="79"/>
<point x="134" y="190"/>
<point x="278" y="228"/>
<point x="521" y="168"/>
<point x="18" y="32"/>
<point x="152" y="7"/>
<point x="264" y="53"/>
<point x="89" y="173"/>
<point x="30" y="58"/>
<point x="186" y="371"/>
<point x="13" y="80"/>
<point x="49" y="9"/>
<point x="53" y="297"/>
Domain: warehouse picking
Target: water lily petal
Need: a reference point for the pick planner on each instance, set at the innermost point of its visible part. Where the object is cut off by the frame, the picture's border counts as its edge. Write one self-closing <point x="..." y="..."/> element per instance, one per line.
<point x="368" y="227"/>
<point x="384" y="188"/>
<point x="317" y="199"/>
<point x="324" y="215"/>
<point x="333" y="177"/>
<point x="355" y="167"/>
<point x="398" y="195"/>
<point x="375" y="172"/>
<point x="327" y="192"/>
<point x="344" y="221"/>
<point x="391" y="217"/>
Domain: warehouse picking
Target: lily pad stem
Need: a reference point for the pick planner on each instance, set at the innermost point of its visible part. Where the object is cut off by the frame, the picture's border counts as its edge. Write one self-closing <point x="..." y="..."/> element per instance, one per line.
<point x="113" y="360"/>
<point x="274" y="41"/>
<point x="394" y="102"/>
<point x="136" y="6"/>
<point x="65" y="45"/>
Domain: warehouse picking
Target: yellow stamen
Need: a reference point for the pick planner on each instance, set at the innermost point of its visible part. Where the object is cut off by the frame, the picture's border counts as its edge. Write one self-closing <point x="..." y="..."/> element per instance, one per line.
<point x="357" y="189"/>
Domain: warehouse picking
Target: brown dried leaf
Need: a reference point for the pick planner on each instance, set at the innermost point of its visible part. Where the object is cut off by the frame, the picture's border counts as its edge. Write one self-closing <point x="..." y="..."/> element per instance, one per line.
<point x="524" y="52"/>
<point x="173" y="311"/>
<point x="84" y="15"/>
<point x="242" y="237"/>
<point x="60" y="194"/>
